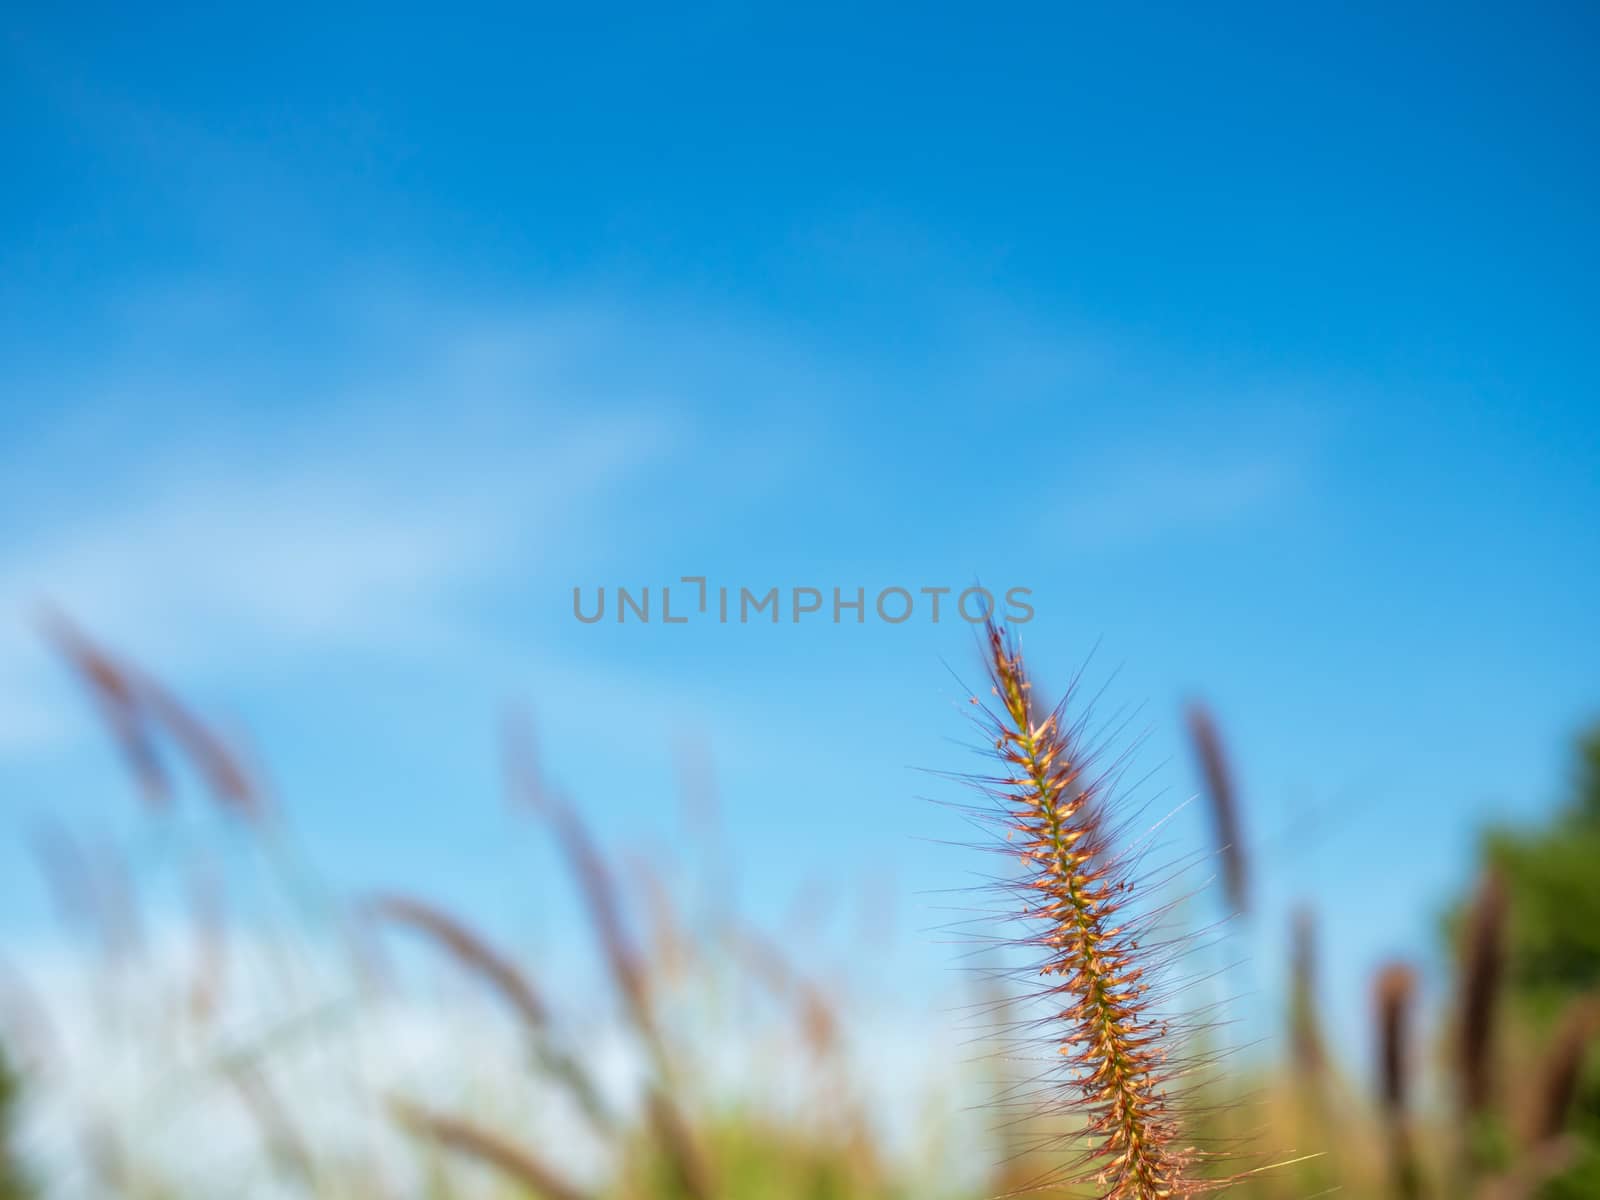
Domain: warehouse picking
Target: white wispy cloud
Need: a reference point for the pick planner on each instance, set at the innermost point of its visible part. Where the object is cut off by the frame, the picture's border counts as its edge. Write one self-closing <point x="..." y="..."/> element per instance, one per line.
<point x="369" y="521"/>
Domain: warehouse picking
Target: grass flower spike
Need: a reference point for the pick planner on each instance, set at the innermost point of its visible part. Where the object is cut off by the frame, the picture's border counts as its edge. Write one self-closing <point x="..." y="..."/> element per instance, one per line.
<point x="1074" y="890"/>
<point x="1213" y="761"/>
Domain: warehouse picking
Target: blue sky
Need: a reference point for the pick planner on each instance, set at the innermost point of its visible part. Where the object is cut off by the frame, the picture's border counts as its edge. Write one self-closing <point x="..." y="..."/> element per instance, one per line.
<point x="338" y="347"/>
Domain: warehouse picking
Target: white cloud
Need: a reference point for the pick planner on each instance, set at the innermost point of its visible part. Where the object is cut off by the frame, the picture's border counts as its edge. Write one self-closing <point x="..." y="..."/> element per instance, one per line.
<point x="370" y="521"/>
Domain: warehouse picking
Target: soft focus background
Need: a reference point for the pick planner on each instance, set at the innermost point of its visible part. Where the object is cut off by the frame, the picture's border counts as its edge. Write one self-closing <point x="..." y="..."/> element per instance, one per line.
<point x="340" y="345"/>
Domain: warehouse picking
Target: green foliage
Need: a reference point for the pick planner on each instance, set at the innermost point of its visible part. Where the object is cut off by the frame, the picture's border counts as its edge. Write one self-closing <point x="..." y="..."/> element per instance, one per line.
<point x="1553" y="950"/>
<point x="1553" y="875"/>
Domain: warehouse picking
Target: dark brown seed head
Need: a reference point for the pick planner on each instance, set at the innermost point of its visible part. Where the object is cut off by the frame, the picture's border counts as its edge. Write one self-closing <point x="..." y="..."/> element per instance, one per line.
<point x="1310" y="1056"/>
<point x="1480" y="987"/>
<point x="1396" y="985"/>
<point x="1558" y="1078"/>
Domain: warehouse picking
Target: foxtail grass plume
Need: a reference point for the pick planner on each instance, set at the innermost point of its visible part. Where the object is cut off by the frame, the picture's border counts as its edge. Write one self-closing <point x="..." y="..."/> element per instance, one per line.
<point x="1548" y="1148"/>
<point x="1074" y="892"/>
<point x="474" y="954"/>
<point x="629" y="973"/>
<point x="818" y="1020"/>
<point x="468" y="949"/>
<point x="115" y="691"/>
<point x="1480" y="989"/>
<point x="279" y="1135"/>
<point x="1218" y="776"/>
<point x="1395" y="988"/>
<point x="1558" y="1076"/>
<point x="1305" y="1031"/>
<point x="495" y="1150"/>
<point x="1393" y="994"/>
<point x="137" y="709"/>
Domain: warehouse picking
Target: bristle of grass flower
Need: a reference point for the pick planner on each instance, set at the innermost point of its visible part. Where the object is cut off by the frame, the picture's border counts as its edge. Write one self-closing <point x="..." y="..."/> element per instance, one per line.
<point x="1074" y="892"/>
<point x="1480" y="989"/>
<point x="1218" y="776"/>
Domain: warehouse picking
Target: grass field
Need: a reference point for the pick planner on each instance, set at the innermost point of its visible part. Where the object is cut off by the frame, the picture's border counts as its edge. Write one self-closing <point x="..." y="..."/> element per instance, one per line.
<point x="380" y="1046"/>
